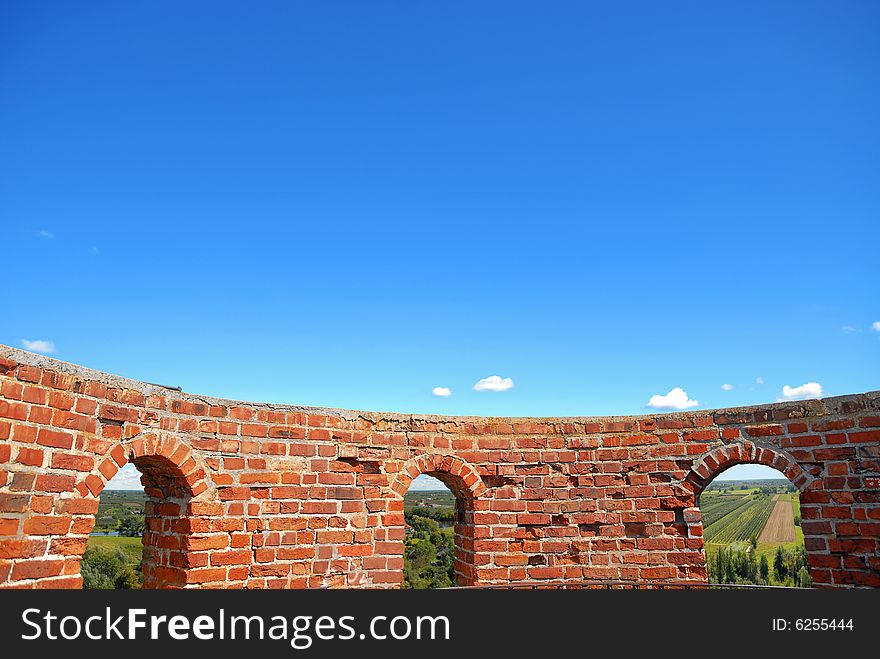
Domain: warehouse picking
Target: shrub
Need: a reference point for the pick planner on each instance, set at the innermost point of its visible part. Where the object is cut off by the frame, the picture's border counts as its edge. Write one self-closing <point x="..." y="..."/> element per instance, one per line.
<point x="104" y="569"/>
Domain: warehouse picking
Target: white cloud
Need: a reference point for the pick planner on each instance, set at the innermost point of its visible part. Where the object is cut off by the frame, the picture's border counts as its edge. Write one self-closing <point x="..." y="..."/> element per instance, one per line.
<point x="39" y="345"/>
<point x="849" y="329"/>
<point x="48" y="235"/>
<point x="727" y="387"/>
<point x="127" y="478"/>
<point x="425" y="482"/>
<point x="759" y="380"/>
<point x="494" y="383"/>
<point x="676" y="399"/>
<point x="442" y="392"/>
<point x="808" y="390"/>
<point x="876" y="326"/>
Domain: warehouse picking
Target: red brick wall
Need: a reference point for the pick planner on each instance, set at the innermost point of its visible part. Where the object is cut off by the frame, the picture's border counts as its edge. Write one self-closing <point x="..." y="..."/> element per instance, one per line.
<point x="247" y="495"/>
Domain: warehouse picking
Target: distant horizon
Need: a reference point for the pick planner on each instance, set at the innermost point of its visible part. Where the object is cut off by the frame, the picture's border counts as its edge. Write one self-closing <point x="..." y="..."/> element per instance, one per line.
<point x="446" y="489"/>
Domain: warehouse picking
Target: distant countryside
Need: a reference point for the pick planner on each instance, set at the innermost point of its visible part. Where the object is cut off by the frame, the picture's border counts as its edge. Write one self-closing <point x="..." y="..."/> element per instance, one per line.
<point x="113" y="555"/>
<point x="429" y="552"/>
<point x="752" y="532"/>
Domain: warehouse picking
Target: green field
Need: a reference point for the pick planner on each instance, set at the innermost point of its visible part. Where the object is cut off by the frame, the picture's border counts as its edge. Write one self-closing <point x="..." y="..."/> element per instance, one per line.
<point x="775" y="485"/>
<point x="114" y="561"/>
<point x="131" y="547"/>
<point x="118" y="505"/>
<point x="796" y="506"/>
<point x="429" y="499"/>
<point x="744" y="520"/>
<point x="715" y="507"/>
<point x="734" y="511"/>
<point x="734" y="515"/>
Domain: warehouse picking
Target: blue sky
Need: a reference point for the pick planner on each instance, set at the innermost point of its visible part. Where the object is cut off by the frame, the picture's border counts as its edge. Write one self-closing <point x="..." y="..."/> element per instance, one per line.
<point x="353" y="204"/>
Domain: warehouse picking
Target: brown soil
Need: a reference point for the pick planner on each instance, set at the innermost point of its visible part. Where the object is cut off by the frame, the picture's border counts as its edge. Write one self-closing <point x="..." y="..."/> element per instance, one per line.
<point x="780" y="527"/>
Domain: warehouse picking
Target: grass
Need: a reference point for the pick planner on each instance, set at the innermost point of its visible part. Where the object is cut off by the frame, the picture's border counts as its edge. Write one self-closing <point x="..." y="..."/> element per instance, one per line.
<point x="131" y="547"/>
<point x="770" y="550"/>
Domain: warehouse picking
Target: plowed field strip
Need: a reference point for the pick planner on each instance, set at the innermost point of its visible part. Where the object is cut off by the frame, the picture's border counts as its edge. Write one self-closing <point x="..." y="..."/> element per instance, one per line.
<point x="780" y="527"/>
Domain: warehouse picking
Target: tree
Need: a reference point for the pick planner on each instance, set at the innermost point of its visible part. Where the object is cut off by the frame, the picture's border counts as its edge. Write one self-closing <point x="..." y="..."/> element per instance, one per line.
<point x="128" y="579"/>
<point x="429" y="555"/>
<point x="442" y="515"/>
<point x="779" y="568"/>
<point x="131" y="526"/>
<point x="100" y="568"/>
<point x="731" y="571"/>
<point x="752" y="566"/>
<point x="764" y="569"/>
<point x="714" y="566"/>
<point x="803" y="578"/>
<point x="104" y="569"/>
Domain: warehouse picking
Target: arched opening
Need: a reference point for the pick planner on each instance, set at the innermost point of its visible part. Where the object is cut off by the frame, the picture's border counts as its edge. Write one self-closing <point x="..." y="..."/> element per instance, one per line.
<point x="138" y="540"/>
<point x="113" y="556"/>
<point x="141" y="533"/>
<point x="751" y="528"/>
<point x="439" y="497"/>
<point x="430" y="510"/>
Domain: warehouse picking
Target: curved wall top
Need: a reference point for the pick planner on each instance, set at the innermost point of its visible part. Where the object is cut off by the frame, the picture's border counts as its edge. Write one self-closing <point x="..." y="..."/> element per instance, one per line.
<point x="258" y="495"/>
<point x="817" y="406"/>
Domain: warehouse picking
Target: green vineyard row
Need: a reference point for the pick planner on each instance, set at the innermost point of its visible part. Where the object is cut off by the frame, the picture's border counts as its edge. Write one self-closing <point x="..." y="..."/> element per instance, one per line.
<point x="716" y="507"/>
<point x="748" y="522"/>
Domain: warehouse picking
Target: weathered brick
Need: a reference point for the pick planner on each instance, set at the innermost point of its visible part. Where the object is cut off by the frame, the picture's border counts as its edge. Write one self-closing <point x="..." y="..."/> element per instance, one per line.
<point x="47" y="525"/>
<point x="70" y="461"/>
<point x="54" y="438"/>
<point x="37" y="568"/>
<point x="22" y="547"/>
<point x="30" y="456"/>
<point x="55" y="483"/>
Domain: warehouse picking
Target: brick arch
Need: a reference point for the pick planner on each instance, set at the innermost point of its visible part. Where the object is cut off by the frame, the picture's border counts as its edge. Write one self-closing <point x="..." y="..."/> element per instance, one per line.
<point x="718" y="460"/>
<point x="465" y="483"/>
<point x="173" y="477"/>
<point x="161" y="446"/>
<point x="456" y="474"/>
